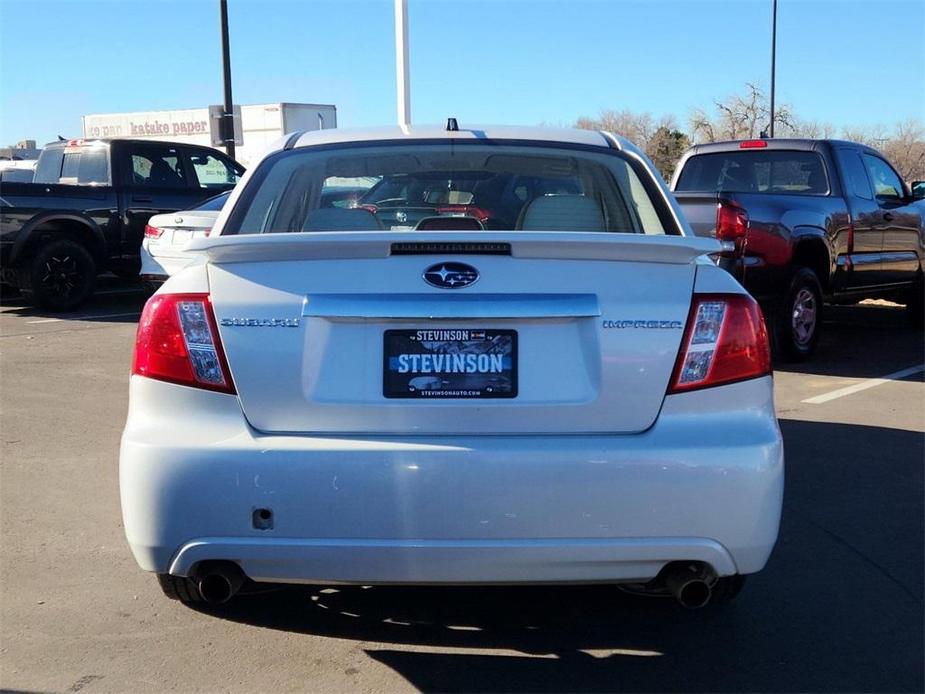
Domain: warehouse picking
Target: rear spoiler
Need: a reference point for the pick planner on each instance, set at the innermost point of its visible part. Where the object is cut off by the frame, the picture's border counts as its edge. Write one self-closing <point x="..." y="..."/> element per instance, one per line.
<point x="565" y="245"/>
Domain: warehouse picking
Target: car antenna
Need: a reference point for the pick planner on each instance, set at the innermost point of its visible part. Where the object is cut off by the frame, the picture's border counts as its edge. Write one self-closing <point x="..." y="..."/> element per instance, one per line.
<point x="451" y="125"/>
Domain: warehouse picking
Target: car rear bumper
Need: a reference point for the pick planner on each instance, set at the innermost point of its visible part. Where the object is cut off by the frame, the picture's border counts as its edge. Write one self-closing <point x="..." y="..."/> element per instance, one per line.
<point x="157" y="265"/>
<point x="704" y="483"/>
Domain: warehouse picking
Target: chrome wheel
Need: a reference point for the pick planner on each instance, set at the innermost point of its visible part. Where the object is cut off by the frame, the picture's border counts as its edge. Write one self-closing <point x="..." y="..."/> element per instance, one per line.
<point x="803" y="316"/>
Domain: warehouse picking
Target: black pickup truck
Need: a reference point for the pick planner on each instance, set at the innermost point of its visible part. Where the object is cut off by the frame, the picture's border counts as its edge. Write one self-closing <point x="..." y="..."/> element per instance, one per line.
<point x="810" y="221"/>
<point x="86" y="209"/>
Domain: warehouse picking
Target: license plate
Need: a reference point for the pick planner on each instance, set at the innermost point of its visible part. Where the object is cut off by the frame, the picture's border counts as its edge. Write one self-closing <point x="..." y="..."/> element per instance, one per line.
<point x="450" y="363"/>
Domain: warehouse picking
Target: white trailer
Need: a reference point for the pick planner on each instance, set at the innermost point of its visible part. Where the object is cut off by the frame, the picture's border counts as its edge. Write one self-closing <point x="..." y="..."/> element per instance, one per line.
<point x="256" y="125"/>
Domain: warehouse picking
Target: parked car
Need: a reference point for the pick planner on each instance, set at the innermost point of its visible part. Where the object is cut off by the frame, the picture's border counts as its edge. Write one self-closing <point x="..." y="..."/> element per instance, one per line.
<point x="87" y="208"/>
<point x="818" y="220"/>
<point x="581" y="397"/>
<point x="17" y="170"/>
<point x="167" y="235"/>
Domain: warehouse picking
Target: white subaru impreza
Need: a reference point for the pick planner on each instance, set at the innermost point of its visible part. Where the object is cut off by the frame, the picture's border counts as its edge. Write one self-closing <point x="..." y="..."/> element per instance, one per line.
<point x="500" y="357"/>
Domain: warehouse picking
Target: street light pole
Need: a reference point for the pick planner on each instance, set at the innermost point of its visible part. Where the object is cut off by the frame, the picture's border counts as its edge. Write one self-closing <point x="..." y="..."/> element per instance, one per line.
<point x="773" y="58"/>
<point x="227" y="122"/>
<point x="403" y="92"/>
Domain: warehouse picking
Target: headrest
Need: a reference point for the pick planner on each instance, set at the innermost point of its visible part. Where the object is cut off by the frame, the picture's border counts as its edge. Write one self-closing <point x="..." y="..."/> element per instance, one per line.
<point x="341" y="219"/>
<point x="562" y="213"/>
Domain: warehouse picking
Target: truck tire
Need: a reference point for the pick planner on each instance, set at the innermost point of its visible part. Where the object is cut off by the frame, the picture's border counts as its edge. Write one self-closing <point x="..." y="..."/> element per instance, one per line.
<point x="179" y="588"/>
<point x="60" y="275"/>
<point x="799" y="317"/>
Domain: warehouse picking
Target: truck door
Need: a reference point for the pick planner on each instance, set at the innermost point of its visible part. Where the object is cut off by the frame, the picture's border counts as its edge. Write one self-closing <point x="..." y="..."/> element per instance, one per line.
<point x="899" y="220"/>
<point x="858" y="261"/>
<point x="155" y="179"/>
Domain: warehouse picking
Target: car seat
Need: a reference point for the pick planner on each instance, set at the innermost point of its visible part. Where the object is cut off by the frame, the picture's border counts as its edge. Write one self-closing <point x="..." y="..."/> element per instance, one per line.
<point x="561" y="213"/>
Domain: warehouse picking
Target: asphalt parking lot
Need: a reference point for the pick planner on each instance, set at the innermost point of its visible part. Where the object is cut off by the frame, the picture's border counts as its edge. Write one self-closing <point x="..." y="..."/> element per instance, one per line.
<point x="839" y="607"/>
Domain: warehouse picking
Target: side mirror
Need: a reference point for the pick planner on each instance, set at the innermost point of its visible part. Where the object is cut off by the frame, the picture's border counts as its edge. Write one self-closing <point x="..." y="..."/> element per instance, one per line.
<point x="918" y="190"/>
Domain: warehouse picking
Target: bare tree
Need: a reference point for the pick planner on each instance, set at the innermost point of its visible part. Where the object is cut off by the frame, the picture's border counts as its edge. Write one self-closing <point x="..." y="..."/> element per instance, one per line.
<point x="740" y="117"/>
<point x="660" y="137"/>
<point x="747" y="116"/>
<point x="905" y="148"/>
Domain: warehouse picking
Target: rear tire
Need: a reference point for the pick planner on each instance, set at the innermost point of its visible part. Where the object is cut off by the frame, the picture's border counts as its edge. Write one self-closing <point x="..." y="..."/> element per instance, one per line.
<point x="180" y="588"/>
<point x="799" y="317"/>
<point x="60" y="275"/>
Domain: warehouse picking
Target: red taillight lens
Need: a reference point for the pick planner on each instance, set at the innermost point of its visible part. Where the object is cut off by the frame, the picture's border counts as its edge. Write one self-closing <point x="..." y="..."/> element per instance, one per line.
<point x="153" y="232"/>
<point x="731" y="222"/>
<point x="465" y="210"/>
<point x="725" y="341"/>
<point x="753" y="144"/>
<point x="178" y="342"/>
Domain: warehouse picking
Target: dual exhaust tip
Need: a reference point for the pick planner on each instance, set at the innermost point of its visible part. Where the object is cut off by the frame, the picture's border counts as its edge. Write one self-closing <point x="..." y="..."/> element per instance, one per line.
<point x="691" y="584"/>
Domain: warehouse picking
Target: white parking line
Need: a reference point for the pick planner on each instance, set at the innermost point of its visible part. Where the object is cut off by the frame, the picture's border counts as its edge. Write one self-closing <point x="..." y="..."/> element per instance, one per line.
<point x="864" y="385"/>
<point x="105" y="315"/>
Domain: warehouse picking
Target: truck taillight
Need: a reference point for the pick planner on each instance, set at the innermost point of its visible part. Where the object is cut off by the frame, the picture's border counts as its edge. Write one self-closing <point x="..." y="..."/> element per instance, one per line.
<point x="725" y="341"/>
<point x="731" y="222"/>
<point x="178" y="342"/>
<point x="153" y="232"/>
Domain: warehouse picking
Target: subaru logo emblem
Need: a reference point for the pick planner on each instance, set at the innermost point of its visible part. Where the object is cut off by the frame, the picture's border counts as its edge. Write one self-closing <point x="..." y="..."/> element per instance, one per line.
<point x="451" y="275"/>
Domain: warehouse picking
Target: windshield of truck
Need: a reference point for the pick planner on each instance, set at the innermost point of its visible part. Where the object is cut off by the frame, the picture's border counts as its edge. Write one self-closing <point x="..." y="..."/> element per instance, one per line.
<point x="401" y="187"/>
<point x="755" y="171"/>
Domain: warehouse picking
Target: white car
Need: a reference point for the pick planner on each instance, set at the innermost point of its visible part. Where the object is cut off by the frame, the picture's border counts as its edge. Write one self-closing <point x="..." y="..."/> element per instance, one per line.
<point x="544" y="380"/>
<point x="163" y="249"/>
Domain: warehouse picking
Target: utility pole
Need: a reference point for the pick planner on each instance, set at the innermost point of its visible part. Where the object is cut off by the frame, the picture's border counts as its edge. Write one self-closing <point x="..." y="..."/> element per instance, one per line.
<point x="401" y="63"/>
<point x="773" y="57"/>
<point x="227" y="122"/>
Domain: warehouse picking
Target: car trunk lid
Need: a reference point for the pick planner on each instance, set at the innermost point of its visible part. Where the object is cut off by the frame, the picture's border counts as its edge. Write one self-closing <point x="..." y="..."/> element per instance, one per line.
<point x="315" y="327"/>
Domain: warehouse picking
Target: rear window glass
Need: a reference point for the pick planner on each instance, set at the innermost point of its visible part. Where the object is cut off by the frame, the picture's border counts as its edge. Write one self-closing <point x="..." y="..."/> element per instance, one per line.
<point x="421" y="186"/>
<point x="86" y="166"/>
<point x="48" y="168"/>
<point x="855" y="175"/>
<point x="774" y="171"/>
<point x="214" y="204"/>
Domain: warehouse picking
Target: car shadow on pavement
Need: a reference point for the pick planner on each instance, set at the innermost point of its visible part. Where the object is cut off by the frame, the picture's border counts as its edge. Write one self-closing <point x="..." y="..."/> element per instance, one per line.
<point x="867" y="340"/>
<point x="839" y="607"/>
<point x="115" y="301"/>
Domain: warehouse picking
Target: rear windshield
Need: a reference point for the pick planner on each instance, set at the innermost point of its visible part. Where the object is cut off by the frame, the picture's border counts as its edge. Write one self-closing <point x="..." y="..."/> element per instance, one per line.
<point x="82" y="165"/>
<point x="48" y="168"/>
<point x="86" y="166"/>
<point x="401" y="187"/>
<point x="774" y="171"/>
<point x="214" y="204"/>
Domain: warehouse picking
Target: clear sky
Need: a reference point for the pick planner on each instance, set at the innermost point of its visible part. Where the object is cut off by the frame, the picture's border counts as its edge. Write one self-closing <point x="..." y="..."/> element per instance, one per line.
<point x="859" y="62"/>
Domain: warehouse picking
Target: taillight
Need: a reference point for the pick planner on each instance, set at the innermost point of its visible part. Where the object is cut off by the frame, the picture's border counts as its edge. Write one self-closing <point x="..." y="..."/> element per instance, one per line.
<point x="731" y="222"/>
<point x="153" y="232"/>
<point x="725" y="341"/>
<point x="178" y="342"/>
<point x="464" y="210"/>
<point x="753" y="144"/>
